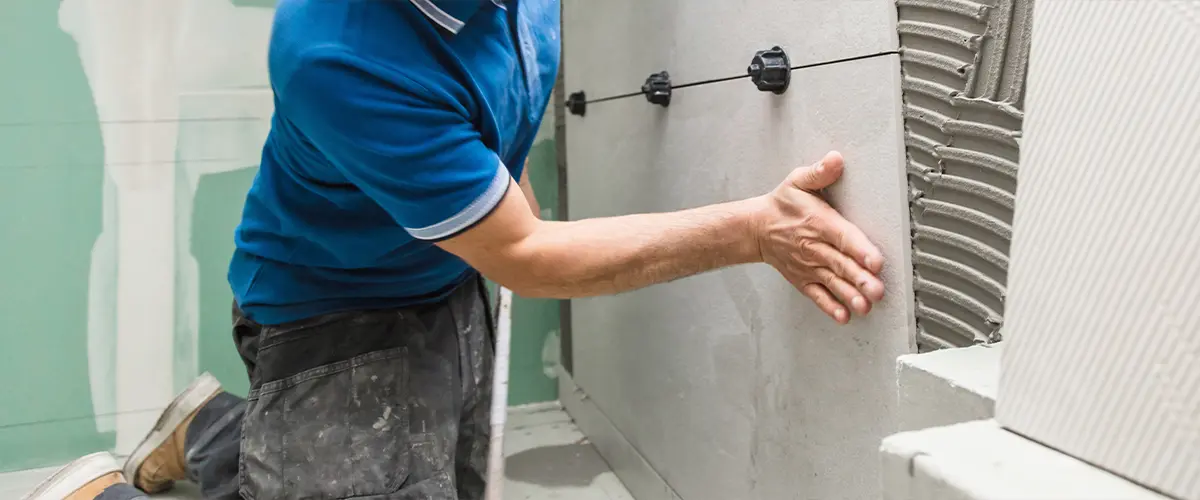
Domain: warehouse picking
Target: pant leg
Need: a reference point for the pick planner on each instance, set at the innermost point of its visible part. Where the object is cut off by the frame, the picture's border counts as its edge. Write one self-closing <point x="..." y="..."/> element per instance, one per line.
<point x="213" y="446"/>
<point x="369" y="403"/>
<point x="476" y="345"/>
<point x="123" y="491"/>
<point x="213" y="441"/>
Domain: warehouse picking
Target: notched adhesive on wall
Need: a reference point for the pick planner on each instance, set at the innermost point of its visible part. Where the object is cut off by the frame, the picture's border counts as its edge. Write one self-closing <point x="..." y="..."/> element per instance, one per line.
<point x="963" y="65"/>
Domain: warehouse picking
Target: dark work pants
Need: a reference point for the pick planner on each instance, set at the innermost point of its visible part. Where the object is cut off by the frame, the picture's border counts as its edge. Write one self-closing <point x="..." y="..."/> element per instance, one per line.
<point x="389" y="404"/>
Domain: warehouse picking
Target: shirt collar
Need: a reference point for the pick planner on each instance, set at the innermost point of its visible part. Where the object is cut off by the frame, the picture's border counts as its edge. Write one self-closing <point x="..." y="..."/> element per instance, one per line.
<point x="451" y="15"/>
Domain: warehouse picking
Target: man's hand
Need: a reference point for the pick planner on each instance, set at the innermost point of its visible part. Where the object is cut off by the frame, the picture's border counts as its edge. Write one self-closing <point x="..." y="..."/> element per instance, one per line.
<point x="820" y="253"/>
<point x="791" y="228"/>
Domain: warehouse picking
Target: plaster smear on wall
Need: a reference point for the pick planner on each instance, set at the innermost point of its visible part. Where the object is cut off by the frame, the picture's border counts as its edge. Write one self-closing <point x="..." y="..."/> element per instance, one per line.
<point x="964" y="65"/>
<point x="159" y="69"/>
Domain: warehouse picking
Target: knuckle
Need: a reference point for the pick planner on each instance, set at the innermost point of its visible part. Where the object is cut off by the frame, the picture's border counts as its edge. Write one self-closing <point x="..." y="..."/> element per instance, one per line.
<point x="829" y="279"/>
<point x="807" y="251"/>
<point x="836" y="264"/>
<point x="810" y="219"/>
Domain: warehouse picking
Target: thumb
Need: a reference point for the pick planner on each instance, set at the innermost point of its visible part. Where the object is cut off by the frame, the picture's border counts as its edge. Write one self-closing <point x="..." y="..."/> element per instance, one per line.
<point x="819" y="175"/>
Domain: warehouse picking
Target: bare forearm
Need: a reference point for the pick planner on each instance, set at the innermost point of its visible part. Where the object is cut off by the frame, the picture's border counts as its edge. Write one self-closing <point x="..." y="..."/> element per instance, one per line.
<point x="791" y="228"/>
<point x="616" y="254"/>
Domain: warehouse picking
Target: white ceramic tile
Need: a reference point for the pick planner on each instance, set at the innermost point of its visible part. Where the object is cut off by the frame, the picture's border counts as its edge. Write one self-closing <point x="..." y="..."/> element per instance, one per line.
<point x="948" y="386"/>
<point x="981" y="461"/>
<point x="1103" y="351"/>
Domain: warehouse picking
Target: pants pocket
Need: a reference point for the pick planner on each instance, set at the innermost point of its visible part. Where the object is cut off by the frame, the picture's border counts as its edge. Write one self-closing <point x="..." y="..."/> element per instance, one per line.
<point x="336" y="431"/>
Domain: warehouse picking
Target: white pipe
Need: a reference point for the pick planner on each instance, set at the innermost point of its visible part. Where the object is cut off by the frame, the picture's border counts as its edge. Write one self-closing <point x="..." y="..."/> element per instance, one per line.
<point x="495" y="475"/>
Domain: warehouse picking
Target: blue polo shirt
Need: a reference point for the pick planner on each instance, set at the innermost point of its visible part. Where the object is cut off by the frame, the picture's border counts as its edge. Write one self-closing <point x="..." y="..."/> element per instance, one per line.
<point x="397" y="123"/>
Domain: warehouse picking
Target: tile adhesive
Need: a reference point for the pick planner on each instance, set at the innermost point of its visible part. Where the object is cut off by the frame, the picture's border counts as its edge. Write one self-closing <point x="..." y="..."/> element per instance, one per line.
<point x="963" y="65"/>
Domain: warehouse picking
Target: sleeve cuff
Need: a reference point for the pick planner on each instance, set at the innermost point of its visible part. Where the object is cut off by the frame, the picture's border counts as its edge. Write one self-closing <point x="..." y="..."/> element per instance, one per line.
<point x="473" y="213"/>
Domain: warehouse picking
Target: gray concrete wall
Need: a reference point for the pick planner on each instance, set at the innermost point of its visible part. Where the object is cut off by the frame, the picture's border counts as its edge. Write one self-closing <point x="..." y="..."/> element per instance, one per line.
<point x="731" y="384"/>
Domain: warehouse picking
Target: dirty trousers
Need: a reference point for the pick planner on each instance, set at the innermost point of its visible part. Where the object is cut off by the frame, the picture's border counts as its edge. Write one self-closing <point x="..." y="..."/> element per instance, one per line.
<point x="389" y="404"/>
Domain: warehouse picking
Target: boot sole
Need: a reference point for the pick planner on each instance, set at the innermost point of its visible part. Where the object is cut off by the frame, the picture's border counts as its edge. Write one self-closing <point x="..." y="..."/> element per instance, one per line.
<point x="75" y="475"/>
<point x="186" y="403"/>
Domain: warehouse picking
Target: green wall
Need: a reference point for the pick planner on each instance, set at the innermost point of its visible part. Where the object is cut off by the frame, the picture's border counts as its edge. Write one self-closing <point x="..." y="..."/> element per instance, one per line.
<point x="535" y="333"/>
<point x="58" y="229"/>
<point x="51" y="184"/>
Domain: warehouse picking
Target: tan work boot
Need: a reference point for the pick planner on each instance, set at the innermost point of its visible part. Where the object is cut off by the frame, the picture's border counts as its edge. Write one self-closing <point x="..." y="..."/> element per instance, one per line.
<point x="82" y="479"/>
<point x="158" y="461"/>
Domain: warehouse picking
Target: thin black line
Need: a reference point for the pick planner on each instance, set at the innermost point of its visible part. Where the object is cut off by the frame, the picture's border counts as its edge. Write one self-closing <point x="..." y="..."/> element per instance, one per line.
<point x="848" y="59"/>
<point x="706" y="82"/>
<point x="738" y="77"/>
<point x="610" y="98"/>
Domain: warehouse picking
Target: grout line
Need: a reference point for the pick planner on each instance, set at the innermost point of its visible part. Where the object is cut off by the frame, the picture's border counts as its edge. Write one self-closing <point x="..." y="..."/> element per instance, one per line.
<point x="137" y="122"/>
<point x="248" y="160"/>
<point x="82" y="417"/>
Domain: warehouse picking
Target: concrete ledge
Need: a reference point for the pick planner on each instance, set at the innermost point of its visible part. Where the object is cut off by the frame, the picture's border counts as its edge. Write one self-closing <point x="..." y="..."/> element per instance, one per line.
<point x="980" y="460"/>
<point x="642" y="481"/>
<point x="948" y="386"/>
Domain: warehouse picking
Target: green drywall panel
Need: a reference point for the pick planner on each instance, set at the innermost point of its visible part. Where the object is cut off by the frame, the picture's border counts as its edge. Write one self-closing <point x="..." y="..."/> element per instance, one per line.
<point x="216" y="211"/>
<point x="58" y="232"/>
<point x="534" y="347"/>
<point x="51" y="188"/>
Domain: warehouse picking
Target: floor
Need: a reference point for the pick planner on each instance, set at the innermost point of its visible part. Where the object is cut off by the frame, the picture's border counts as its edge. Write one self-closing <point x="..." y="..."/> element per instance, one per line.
<point x="548" y="458"/>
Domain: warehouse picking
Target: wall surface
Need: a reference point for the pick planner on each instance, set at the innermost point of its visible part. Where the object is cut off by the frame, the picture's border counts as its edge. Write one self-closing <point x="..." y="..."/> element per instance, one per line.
<point x="130" y="131"/>
<point x="731" y="384"/>
<point x="535" y="349"/>
<point x="128" y="141"/>
<point x="1103" y="356"/>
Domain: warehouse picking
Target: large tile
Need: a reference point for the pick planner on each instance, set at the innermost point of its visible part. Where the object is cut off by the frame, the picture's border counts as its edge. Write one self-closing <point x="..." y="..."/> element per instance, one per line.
<point x="731" y="384"/>
<point x="980" y="460"/>
<point x="611" y="46"/>
<point x="1102" y="355"/>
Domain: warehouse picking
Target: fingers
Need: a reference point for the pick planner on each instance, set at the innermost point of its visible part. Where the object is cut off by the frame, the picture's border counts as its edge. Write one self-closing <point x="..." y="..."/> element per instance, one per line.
<point x="847" y="269"/>
<point x="848" y="239"/>
<point x="843" y="290"/>
<point x="819" y="175"/>
<point x="825" y="301"/>
<point x="837" y="231"/>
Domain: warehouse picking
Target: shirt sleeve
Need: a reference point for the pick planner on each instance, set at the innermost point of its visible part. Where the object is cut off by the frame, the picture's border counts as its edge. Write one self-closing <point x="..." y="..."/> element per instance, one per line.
<point x="411" y="150"/>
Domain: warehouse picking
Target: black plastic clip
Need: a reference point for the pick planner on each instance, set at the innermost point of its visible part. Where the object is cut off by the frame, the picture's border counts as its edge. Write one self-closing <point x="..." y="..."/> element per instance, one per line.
<point x="577" y="103"/>
<point x="770" y="70"/>
<point x="657" y="89"/>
